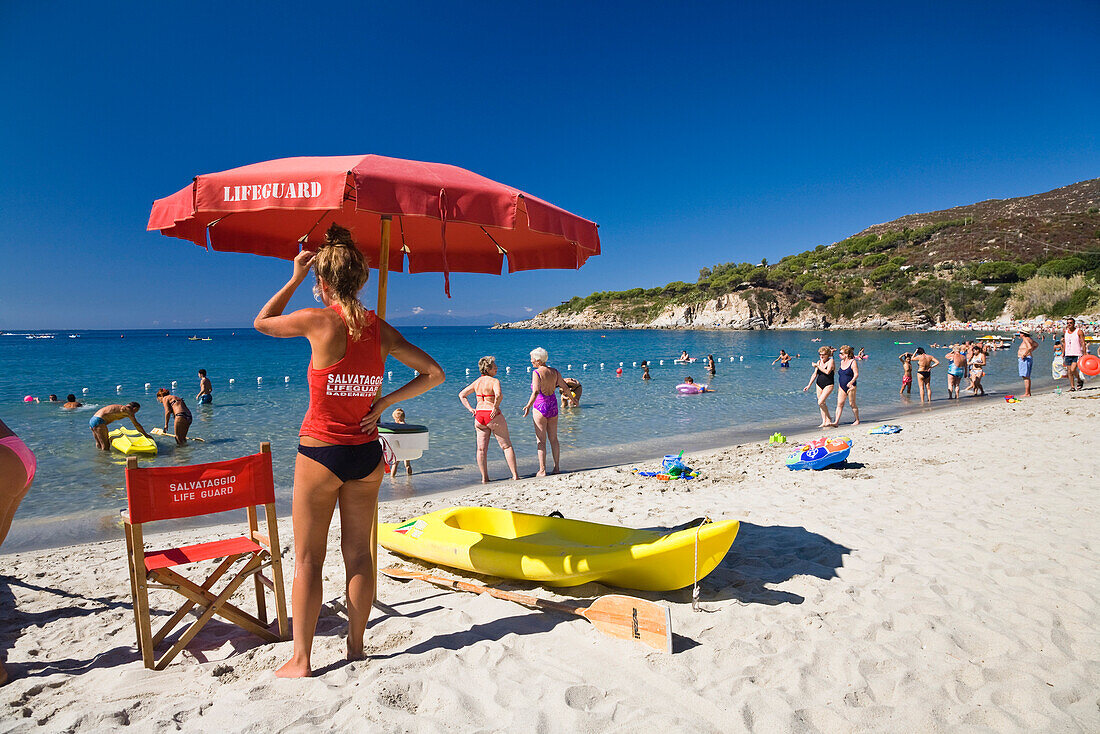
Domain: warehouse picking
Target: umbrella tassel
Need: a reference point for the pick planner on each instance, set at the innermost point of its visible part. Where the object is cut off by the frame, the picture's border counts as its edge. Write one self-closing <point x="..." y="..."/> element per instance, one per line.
<point x="443" y="240"/>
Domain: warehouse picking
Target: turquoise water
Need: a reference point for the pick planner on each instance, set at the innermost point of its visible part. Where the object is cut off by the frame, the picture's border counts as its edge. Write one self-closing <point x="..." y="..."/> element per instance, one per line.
<point x="621" y="418"/>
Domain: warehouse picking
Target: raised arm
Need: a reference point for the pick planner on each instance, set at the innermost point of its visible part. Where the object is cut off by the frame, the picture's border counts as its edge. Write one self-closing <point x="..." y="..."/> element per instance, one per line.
<point x="271" y="320"/>
<point x="430" y="374"/>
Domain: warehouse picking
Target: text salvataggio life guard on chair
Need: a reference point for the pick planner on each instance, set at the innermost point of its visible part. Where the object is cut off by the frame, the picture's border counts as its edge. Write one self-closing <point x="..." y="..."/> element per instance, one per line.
<point x="166" y="493"/>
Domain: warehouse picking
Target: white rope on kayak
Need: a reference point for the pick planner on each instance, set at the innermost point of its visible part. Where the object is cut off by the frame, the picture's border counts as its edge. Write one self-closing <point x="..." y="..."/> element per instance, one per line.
<point x="695" y="575"/>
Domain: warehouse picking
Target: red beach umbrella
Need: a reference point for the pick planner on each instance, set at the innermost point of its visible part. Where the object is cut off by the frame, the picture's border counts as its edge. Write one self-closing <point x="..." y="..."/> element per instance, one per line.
<point x="440" y="218"/>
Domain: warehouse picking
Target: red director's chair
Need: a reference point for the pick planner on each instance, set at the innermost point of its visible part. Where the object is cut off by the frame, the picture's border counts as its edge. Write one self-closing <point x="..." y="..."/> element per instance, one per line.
<point x="166" y="493"/>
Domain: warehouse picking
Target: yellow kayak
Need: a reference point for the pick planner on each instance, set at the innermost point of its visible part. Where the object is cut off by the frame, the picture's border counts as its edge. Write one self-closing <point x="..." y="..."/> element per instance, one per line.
<point x="129" y="441"/>
<point x="558" y="552"/>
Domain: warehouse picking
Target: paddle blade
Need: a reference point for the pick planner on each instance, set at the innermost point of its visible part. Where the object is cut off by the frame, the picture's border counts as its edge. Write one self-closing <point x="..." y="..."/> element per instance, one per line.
<point x="395" y="572"/>
<point x="628" y="618"/>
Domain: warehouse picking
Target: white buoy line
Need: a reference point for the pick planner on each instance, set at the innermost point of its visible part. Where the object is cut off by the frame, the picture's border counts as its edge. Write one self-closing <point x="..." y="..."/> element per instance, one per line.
<point x="507" y="369"/>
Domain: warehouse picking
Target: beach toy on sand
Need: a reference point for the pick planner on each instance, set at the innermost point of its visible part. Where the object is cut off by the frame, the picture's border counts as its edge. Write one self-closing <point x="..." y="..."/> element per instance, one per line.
<point x="820" y="453"/>
<point x="1058" y="368"/>
<point x="1089" y="365"/>
<point x="777" y="438"/>
<point x="1011" y="399"/>
<point x="885" y="429"/>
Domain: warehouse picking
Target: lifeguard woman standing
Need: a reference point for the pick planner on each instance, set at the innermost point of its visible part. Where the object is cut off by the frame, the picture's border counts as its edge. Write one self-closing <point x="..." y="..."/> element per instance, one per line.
<point x="339" y="457"/>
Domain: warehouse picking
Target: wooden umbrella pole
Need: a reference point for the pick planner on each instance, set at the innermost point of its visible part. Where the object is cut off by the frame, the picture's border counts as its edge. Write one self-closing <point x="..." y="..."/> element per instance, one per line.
<point x="383" y="266"/>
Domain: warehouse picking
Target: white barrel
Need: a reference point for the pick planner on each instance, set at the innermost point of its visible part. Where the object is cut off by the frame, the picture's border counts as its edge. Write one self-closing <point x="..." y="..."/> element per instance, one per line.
<point x="84" y="390"/>
<point x="231" y="380"/>
<point x="118" y="388"/>
<point x="286" y="378"/>
<point x="148" y="385"/>
<point x="259" y="380"/>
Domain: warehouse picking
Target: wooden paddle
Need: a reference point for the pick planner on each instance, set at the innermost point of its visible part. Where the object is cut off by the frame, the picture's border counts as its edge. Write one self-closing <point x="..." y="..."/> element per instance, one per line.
<point x="615" y="615"/>
<point x="162" y="432"/>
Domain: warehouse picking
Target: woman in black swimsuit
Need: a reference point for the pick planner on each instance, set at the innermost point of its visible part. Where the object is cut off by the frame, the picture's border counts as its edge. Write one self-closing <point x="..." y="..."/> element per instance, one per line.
<point x="824" y="375"/>
<point x="847" y="373"/>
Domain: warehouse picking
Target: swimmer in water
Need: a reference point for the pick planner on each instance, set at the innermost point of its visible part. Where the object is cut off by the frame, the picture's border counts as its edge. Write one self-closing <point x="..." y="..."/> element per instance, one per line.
<point x="645" y="370"/>
<point x="206" y="389"/>
<point x="710" y="364"/>
<point x="71" y="403"/>
<point x="783" y="359"/>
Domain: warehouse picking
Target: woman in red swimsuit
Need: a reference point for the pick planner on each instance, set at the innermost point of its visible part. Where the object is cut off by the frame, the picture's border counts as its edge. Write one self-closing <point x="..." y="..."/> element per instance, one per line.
<point x="488" y="420"/>
<point x="339" y="457"/>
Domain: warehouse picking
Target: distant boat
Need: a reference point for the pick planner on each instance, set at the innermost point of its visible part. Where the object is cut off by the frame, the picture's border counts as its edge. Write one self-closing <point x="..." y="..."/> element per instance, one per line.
<point x="74" y="336"/>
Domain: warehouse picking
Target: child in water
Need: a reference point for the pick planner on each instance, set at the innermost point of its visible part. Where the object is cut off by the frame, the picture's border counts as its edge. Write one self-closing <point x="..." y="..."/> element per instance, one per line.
<point x="398" y="416"/>
<point x="906" y="374"/>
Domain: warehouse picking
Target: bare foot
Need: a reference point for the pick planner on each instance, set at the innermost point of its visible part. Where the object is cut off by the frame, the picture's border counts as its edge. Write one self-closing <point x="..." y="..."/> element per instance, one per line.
<point x="355" y="652"/>
<point x="556" y="471"/>
<point x="855" y="423"/>
<point x="540" y="473"/>
<point x="515" y="477"/>
<point x="485" y="480"/>
<point x="294" y="668"/>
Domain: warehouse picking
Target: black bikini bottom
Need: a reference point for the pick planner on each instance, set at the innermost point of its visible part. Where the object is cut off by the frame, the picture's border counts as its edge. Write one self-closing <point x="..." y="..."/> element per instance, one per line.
<point x="346" y="462"/>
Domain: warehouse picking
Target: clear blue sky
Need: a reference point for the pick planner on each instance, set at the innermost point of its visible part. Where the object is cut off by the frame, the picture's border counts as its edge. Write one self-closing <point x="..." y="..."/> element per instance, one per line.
<point x="693" y="133"/>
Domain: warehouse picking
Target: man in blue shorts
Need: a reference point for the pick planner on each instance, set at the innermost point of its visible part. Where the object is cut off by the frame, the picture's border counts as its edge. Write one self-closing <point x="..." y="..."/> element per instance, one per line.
<point x="206" y="389"/>
<point x="1023" y="354"/>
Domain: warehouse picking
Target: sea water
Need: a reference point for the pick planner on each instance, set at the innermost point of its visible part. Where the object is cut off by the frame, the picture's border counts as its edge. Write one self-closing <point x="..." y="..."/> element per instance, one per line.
<point x="260" y="395"/>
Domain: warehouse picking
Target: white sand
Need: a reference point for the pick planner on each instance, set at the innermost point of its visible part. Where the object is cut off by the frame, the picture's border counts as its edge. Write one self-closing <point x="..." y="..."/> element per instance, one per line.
<point x="947" y="581"/>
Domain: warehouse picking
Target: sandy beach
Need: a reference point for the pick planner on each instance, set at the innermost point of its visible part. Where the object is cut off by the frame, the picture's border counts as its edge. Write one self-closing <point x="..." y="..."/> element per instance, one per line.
<point x="945" y="579"/>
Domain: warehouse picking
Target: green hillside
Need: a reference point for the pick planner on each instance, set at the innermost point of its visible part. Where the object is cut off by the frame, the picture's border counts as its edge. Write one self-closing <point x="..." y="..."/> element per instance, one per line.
<point x="1037" y="254"/>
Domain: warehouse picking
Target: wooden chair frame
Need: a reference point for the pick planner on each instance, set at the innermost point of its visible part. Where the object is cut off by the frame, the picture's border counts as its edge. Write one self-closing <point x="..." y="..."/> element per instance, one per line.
<point x="263" y="552"/>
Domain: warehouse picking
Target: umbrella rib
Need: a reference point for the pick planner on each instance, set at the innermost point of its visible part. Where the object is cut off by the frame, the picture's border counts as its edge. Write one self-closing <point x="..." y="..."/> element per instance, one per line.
<point x="304" y="238"/>
<point x="493" y="240"/>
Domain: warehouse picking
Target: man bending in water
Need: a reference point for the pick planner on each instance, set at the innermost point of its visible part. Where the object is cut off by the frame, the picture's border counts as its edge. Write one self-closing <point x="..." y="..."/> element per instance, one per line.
<point x="109" y="414"/>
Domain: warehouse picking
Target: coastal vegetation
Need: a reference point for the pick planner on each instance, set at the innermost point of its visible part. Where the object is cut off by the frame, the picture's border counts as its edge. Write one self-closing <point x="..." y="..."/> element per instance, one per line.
<point x="1017" y="257"/>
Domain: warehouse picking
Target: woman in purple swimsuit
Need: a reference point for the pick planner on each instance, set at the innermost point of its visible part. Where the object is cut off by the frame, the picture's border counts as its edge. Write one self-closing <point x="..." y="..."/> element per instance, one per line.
<point x="545" y="382"/>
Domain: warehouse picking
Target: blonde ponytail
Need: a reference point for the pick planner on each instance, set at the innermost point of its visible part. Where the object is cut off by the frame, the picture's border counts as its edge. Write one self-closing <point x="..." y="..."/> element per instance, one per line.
<point x="344" y="270"/>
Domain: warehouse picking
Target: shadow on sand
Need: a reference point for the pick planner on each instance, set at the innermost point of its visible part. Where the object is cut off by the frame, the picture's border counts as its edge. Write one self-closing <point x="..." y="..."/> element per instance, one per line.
<point x="766" y="555"/>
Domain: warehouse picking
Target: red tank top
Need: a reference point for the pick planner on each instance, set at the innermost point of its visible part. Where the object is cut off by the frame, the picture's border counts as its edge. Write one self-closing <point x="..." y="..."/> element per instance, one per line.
<point x="340" y="395"/>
